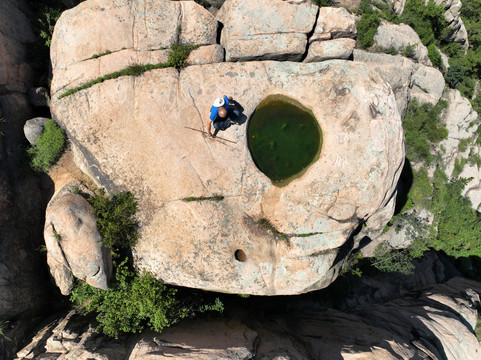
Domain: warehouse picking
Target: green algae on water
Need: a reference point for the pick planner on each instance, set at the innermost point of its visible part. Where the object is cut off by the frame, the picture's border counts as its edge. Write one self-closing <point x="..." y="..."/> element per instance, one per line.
<point x="284" y="138"/>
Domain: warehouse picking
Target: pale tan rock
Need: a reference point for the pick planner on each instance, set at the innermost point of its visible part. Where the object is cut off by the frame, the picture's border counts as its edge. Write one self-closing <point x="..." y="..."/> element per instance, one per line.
<point x="330" y="49"/>
<point x="459" y="118"/>
<point x="399" y="37"/>
<point x="193" y="243"/>
<point x="138" y="26"/>
<point x="333" y="23"/>
<point x="427" y="85"/>
<point x="74" y="245"/>
<point x="210" y="54"/>
<point x="265" y="29"/>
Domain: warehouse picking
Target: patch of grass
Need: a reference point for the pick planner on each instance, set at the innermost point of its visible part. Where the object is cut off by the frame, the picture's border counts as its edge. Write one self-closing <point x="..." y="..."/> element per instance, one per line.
<point x="107" y="52"/>
<point x="116" y="219"/>
<point x="48" y="148"/>
<point x="134" y="302"/>
<point x="215" y="197"/>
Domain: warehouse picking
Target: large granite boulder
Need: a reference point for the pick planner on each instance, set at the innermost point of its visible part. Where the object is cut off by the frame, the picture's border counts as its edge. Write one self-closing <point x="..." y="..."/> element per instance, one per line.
<point x="129" y="134"/>
<point x="193" y="243"/>
<point x="266" y="29"/>
<point x="74" y="245"/>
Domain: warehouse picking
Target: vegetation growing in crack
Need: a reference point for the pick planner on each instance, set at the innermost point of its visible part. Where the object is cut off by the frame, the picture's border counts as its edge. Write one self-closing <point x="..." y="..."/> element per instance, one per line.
<point x="266" y="224"/>
<point x="177" y="58"/>
<point x="215" y="197"/>
<point x="96" y="56"/>
<point x="116" y="219"/>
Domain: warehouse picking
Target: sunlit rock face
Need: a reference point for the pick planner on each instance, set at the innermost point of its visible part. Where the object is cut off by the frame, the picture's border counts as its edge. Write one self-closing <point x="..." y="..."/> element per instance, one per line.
<point x="130" y="134"/>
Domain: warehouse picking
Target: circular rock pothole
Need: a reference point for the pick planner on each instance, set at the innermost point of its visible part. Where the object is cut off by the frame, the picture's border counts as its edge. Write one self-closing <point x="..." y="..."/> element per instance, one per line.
<point x="240" y="255"/>
<point x="284" y="138"/>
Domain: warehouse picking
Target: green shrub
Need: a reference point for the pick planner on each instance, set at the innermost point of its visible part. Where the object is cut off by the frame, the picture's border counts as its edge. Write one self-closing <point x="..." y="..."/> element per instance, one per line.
<point x="391" y="51"/>
<point x="178" y="55"/>
<point x="116" y="219"/>
<point x="48" y="148"/>
<point x="366" y="28"/>
<point x="455" y="74"/>
<point x="422" y="128"/>
<point x="426" y="19"/>
<point x="135" y="302"/>
<point x="410" y="51"/>
<point x="458" y="225"/>
<point x="434" y="56"/>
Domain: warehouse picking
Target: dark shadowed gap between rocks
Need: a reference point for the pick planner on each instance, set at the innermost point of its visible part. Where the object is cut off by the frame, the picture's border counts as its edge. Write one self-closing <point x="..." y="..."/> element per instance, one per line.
<point x="309" y="35"/>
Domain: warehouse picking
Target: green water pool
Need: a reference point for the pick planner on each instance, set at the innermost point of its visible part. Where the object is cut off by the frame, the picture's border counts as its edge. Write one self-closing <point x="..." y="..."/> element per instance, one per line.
<point x="284" y="138"/>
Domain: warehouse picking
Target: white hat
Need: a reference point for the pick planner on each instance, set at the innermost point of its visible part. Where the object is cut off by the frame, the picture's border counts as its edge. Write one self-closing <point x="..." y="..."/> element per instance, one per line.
<point x="219" y="102"/>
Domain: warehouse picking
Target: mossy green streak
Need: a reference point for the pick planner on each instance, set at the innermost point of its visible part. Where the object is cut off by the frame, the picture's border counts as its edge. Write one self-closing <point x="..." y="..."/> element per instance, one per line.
<point x="284" y="138"/>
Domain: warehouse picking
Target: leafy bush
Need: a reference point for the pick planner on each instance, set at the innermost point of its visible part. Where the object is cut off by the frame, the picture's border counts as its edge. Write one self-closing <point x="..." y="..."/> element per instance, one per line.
<point x="458" y="225"/>
<point x="116" y="219"/>
<point x="421" y="190"/>
<point x="426" y="19"/>
<point x="455" y="74"/>
<point x="434" y="56"/>
<point x="422" y="128"/>
<point x="48" y="148"/>
<point x="135" y="302"/>
<point x="178" y="55"/>
<point x="366" y="28"/>
<point x="410" y="51"/>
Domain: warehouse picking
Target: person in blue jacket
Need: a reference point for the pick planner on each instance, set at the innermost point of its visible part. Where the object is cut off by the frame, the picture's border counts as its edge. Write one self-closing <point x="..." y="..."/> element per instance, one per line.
<point x="221" y="115"/>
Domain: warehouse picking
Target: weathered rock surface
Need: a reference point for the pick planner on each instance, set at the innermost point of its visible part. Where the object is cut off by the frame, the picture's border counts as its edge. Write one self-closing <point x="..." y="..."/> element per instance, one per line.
<point x="144" y="31"/>
<point x="333" y="23"/>
<point x="437" y="323"/>
<point x="266" y="30"/>
<point x="330" y="49"/>
<point x="427" y="85"/>
<point x="399" y="37"/>
<point x="193" y="243"/>
<point x="33" y="128"/>
<point x="408" y="79"/>
<point x="459" y="119"/>
<point x="74" y="245"/>
<point x="457" y="30"/>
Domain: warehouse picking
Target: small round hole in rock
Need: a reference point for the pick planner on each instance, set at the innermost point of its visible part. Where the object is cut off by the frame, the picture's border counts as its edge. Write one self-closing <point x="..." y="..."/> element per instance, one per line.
<point x="240" y="255"/>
